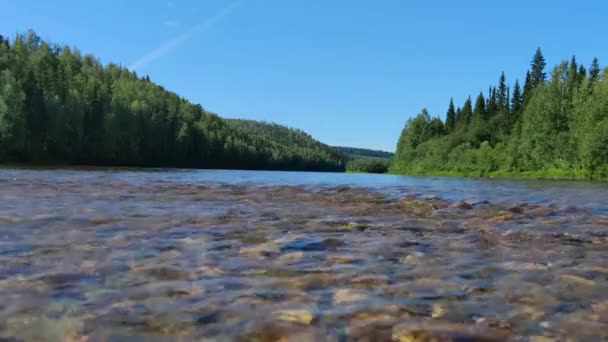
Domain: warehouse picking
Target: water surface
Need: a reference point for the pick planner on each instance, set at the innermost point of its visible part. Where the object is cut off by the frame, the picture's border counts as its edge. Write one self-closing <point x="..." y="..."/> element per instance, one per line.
<point x="167" y="254"/>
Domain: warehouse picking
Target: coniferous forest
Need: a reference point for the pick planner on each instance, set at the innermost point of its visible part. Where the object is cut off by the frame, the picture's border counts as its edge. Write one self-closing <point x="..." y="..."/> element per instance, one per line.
<point x="554" y="125"/>
<point x="58" y="106"/>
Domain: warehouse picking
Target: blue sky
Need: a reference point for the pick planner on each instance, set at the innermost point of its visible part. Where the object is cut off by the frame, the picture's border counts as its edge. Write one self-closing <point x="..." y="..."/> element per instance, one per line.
<point x="349" y="72"/>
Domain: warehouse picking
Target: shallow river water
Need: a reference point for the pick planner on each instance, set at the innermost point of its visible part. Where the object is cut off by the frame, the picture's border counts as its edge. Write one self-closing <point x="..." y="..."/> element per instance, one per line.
<point x="155" y="255"/>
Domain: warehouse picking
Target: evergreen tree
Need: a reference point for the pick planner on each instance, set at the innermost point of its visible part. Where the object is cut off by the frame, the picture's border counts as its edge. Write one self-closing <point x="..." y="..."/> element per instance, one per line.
<point x="492" y="106"/>
<point x="537" y="73"/>
<point x="450" y="121"/>
<point x="507" y="105"/>
<point x="466" y="113"/>
<point x="502" y="98"/>
<point x="480" y="108"/>
<point x="594" y="71"/>
<point x="516" y="101"/>
<point x="573" y="77"/>
<point x="527" y="88"/>
<point x="582" y="73"/>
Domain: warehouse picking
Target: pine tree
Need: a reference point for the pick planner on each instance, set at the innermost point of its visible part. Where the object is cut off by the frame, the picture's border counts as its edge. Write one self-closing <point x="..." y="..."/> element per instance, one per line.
<point x="537" y="74"/>
<point x="594" y="71"/>
<point x="516" y="101"/>
<point x="450" y="121"/>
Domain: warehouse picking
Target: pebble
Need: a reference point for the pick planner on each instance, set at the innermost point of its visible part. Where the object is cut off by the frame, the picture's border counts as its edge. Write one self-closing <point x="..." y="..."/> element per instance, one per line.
<point x="345" y="296"/>
<point x="262" y="250"/>
<point x="298" y="316"/>
<point x="579" y="280"/>
<point x="461" y="205"/>
<point x="293" y="256"/>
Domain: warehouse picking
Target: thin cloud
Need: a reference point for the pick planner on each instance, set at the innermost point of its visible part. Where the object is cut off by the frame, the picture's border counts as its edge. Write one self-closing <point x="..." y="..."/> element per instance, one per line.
<point x="170" y="23"/>
<point x="181" y="39"/>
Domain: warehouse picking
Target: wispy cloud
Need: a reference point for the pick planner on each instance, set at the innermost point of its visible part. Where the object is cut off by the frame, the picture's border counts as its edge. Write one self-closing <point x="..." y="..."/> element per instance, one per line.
<point x="170" y="23"/>
<point x="176" y="42"/>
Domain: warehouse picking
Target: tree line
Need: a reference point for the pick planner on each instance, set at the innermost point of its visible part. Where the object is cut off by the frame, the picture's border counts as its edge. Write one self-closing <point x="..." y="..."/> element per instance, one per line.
<point x="62" y="107"/>
<point x="355" y="152"/>
<point x="368" y="165"/>
<point x="556" y="125"/>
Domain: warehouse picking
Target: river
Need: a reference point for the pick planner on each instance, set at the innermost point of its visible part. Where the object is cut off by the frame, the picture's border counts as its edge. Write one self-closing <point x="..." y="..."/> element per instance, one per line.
<point x="165" y="254"/>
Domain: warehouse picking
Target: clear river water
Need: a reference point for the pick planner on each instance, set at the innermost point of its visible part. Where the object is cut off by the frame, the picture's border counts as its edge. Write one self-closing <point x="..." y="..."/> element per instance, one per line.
<point x="166" y="254"/>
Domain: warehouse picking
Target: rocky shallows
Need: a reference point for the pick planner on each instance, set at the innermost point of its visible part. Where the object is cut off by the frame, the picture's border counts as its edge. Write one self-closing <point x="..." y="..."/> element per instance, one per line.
<point x="102" y="261"/>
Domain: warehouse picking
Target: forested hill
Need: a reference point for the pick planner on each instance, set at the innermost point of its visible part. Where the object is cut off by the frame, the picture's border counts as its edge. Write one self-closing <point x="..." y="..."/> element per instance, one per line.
<point x="364" y="152"/>
<point x="556" y="125"/>
<point x="60" y="106"/>
<point x="284" y="139"/>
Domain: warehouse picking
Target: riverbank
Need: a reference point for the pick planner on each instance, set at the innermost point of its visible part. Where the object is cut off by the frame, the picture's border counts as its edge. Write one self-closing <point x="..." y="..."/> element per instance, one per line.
<point x="552" y="174"/>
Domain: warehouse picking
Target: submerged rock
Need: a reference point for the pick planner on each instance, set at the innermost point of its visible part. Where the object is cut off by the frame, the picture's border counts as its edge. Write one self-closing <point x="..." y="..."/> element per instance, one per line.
<point x="298" y="316"/>
<point x="346" y="296"/>
<point x="463" y="205"/>
<point x="311" y="244"/>
<point x="442" y="332"/>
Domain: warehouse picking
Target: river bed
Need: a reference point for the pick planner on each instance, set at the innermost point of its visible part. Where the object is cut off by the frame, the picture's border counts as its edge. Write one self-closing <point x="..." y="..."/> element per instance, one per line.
<point x="108" y="255"/>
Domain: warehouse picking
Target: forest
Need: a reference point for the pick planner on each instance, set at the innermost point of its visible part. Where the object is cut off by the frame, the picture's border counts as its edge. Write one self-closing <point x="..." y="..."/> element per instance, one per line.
<point x="368" y="165"/>
<point x="354" y="152"/>
<point x="363" y="160"/>
<point x="555" y="126"/>
<point x="58" y="106"/>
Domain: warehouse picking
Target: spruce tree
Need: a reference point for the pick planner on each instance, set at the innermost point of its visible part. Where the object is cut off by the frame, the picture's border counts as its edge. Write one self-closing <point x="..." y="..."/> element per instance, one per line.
<point x="501" y="95"/>
<point x="537" y="73"/>
<point x="582" y="73"/>
<point x="480" y="108"/>
<point x="466" y="113"/>
<point x="492" y="106"/>
<point x="450" y="120"/>
<point x="516" y="101"/>
<point x="594" y="71"/>
<point x="573" y="78"/>
<point x="527" y="89"/>
<point x="507" y="105"/>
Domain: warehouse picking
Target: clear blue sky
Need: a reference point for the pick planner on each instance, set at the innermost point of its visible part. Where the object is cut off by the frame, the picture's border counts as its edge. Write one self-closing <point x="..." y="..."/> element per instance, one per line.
<point x="349" y="72"/>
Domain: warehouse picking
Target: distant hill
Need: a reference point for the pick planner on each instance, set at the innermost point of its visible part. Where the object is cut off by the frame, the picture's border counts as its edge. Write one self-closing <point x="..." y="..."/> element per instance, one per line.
<point x="309" y="152"/>
<point x="354" y="152"/>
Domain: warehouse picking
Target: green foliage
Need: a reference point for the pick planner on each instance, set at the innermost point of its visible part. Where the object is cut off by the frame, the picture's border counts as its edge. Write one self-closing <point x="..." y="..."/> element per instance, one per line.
<point x="368" y="165"/>
<point x="555" y="128"/>
<point x="356" y="153"/>
<point x="59" y="106"/>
